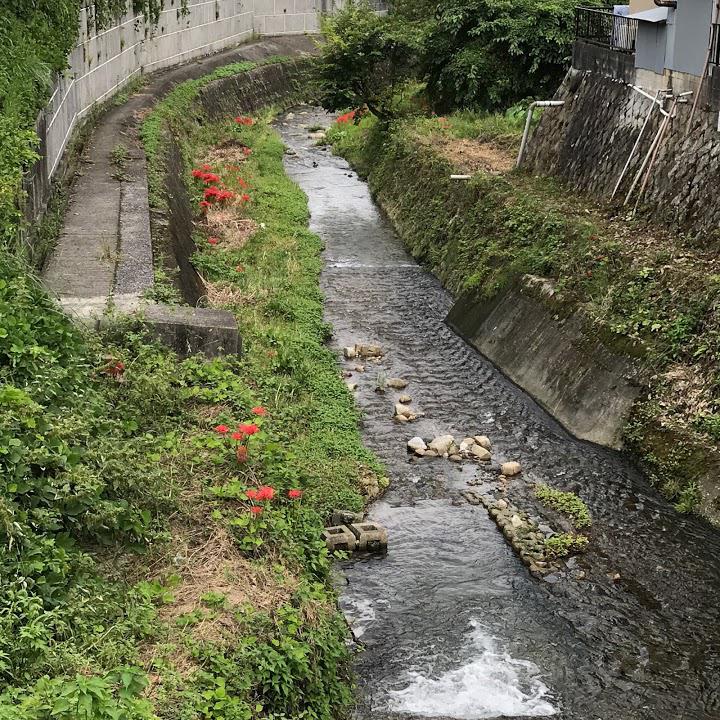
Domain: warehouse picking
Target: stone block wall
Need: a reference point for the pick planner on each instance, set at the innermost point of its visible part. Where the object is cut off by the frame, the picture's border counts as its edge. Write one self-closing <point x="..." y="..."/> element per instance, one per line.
<point x="587" y="141"/>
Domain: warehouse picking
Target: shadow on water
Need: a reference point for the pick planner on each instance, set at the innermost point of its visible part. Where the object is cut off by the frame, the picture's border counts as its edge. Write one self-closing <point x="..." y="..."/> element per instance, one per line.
<point x="452" y="624"/>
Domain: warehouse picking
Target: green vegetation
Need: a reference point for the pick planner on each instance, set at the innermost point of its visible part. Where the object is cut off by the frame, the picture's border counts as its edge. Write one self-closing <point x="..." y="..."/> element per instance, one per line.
<point x="476" y="54"/>
<point x="136" y="582"/>
<point x="179" y="111"/>
<point x="366" y="59"/>
<point x="567" y="503"/>
<point x="564" y="544"/>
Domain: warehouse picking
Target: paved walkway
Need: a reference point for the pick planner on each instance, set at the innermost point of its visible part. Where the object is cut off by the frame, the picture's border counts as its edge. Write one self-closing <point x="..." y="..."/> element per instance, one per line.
<point x="104" y="250"/>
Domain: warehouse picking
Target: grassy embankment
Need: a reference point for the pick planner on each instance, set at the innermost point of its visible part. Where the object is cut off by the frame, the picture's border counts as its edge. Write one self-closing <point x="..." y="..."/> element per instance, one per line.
<point x="136" y="581"/>
<point x="634" y="281"/>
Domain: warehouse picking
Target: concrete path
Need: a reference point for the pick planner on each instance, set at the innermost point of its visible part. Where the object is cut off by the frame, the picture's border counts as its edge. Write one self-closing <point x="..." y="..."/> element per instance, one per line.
<point x="104" y="250"/>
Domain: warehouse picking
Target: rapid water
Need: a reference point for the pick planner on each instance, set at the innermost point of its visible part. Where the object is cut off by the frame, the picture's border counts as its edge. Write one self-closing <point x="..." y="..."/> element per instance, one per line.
<point x="452" y="624"/>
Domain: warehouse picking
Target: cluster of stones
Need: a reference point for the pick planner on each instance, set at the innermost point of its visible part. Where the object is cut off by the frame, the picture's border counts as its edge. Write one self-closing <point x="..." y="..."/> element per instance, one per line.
<point x="368" y="353"/>
<point x="525" y="536"/>
<point x="476" y="448"/>
<point x="349" y="533"/>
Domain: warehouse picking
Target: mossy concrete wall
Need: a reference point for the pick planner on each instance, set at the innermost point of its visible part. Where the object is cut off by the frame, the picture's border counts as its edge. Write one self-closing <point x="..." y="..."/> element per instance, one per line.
<point x="545" y="347"/>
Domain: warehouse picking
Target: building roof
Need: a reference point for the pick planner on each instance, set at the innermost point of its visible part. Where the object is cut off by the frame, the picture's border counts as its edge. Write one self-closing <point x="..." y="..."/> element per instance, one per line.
<point x="655" y="15"/>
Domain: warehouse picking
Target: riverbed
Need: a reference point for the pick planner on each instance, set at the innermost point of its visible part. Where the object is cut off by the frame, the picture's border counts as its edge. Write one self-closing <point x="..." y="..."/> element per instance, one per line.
<point x="451" y="623"/>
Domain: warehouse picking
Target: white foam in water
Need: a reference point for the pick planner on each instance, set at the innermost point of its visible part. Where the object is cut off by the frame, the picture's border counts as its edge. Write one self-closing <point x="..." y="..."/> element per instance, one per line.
<point x="490" y="684"/>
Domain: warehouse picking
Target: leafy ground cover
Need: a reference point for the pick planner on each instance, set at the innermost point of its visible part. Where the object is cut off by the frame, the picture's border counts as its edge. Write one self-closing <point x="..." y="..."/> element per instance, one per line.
<point x="161" y="518"/>
<point x="648" y="292"/>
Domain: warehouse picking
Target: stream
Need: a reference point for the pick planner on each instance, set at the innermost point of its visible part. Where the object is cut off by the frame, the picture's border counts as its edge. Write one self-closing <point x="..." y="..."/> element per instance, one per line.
<point x="451" y="623"/>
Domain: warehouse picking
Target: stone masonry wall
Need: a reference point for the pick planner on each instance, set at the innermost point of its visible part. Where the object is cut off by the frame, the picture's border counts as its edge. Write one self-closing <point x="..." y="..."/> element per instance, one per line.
<point x="587" y="141"/>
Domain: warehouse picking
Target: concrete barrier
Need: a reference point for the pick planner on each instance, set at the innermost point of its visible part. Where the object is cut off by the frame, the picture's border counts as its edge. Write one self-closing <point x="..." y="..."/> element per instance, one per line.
<point x="549" y="350"/>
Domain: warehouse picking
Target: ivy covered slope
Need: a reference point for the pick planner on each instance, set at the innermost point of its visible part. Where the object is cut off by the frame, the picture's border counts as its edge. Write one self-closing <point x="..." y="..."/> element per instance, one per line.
<point x="160" y="551"/>
<point x="638" y="283"/>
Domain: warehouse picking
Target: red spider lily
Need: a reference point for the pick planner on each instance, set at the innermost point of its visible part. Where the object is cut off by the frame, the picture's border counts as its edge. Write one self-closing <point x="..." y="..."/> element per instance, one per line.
<point x="197" y="173"/>
<point x="225" y="195"/>
<point x="256" y="510"/>
<point x="211" y="192"/>
<point x="249" y="429"/>
<point x="222" y="429"/>
<point x="114" y="368"/>
<point x="265" y="492"/>
<point x="347" y="117"/>
<point x="206" y="167"/>
<point x="213" y="240"/>
<point x="259" y="410"/>
<point x="241" y="453"/>
<point x="239" y="268"/>
<point x="247" y="152"/>
<point x="204" y="204"/>
<point x="245" y="197"/>
<point x="244" y="120"/>
<point x="251" y="494"/>
<point x="210" y="178"/>
<point x="238" y="436"/>
<point x="295" y="494"/>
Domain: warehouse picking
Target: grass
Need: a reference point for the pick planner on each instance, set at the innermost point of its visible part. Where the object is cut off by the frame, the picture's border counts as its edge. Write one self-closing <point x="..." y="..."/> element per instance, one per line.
<point x="645" y="291"/>
<point x="567" y="503"/>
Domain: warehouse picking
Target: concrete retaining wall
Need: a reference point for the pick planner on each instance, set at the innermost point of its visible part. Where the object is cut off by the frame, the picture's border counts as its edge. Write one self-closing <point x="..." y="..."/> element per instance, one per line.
<point x="587" y="141"/>
<point x="544" y="347"/>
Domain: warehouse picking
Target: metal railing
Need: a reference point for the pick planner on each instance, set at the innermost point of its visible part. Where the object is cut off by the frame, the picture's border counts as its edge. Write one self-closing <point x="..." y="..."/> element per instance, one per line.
<point x="602" y="27"/>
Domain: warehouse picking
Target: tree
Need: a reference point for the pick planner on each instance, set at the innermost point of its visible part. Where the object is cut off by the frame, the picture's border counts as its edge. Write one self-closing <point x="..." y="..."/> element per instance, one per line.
<point x="489" y="54"/>
<point x="366" y="58"/>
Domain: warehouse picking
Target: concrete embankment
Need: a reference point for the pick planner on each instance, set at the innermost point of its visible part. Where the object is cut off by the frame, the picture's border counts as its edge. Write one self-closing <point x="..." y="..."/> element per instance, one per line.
<point x="549" y="350"/>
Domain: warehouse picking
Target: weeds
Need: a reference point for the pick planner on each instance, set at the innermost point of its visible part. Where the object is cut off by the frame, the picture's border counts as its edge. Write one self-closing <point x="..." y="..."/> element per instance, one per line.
<point x="567" y="503"/>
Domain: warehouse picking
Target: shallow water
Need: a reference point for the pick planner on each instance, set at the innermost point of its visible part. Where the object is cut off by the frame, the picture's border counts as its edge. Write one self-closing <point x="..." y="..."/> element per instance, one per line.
<point x="452" y="624"/>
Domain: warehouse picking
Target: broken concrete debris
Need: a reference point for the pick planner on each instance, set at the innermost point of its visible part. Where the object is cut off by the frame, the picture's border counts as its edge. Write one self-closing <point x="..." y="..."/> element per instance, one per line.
<point x="356" y="537"/>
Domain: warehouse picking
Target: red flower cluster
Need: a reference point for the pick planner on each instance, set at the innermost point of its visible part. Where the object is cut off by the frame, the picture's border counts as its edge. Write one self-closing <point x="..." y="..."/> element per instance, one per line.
<point x="206" y="177"/>
<point x="265" y="493"/>
<point x="214" y="192"/>
<point x="259" y="410"/>
<point x="347" y="117"/>
<point x="114" y="369"/>
<point x="249" y="429"/>
<point x="213" y="240"/>
<point x="244" y="120"/>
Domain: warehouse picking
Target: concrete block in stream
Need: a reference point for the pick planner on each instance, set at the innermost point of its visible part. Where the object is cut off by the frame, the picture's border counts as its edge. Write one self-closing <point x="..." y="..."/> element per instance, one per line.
<point x="370" y="536"/>
<point x="339" y="538"/>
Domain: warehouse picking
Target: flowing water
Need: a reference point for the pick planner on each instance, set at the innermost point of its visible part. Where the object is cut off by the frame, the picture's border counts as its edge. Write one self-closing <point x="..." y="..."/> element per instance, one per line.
<point x="452" y="624"/>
